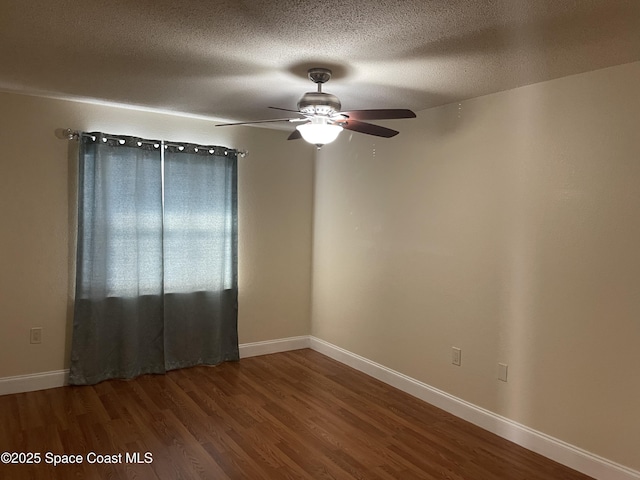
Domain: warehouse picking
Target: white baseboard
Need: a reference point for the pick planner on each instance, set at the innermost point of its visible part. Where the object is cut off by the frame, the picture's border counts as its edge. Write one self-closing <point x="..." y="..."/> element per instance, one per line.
<point x="59" y="378"/>
<point x="273" y="346"/>
<point x="557" y="450"/>
<point x="33" y="382"/>
<point x="552" y="448"/>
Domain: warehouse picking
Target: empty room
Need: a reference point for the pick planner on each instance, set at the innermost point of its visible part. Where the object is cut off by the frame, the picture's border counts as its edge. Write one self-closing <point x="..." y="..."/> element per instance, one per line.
<point x="366" y="240"/>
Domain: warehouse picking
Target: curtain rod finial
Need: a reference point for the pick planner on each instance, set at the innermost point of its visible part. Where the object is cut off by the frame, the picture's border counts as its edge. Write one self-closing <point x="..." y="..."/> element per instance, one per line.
<point x="66" y="134"/>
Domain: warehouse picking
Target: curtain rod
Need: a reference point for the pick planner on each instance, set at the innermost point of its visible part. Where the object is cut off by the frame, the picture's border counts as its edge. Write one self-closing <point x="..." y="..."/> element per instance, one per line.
<point x="70" y="134"/>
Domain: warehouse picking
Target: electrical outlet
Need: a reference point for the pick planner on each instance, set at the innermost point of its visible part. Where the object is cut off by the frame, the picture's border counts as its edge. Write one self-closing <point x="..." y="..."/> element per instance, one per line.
<point x="456" y="356"/>
<point x="36" y="335"/>
<point x="502" y="372"/>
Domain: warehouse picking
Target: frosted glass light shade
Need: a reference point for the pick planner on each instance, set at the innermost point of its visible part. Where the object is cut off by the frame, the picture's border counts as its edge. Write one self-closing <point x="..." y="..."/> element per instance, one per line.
<point x="319" y="133"/>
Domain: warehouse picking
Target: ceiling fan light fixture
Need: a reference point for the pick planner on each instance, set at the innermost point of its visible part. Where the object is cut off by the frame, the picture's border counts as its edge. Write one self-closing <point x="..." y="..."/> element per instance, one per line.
<point x="319" y="132"/>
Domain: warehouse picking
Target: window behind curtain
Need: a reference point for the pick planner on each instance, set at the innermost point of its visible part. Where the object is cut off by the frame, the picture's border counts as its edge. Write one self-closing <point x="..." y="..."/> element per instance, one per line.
<point x="120" y="220"/>
<point x="198" y="224"/>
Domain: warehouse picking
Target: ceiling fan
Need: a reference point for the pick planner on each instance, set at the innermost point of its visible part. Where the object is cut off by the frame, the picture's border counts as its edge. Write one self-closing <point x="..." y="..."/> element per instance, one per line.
<point x="321" y="119"/>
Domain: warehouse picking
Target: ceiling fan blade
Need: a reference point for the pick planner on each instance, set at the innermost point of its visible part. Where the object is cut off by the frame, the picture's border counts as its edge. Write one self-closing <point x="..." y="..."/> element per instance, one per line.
<point x="379" y="114"/>
<point x="369" y="128"/>
<point x="285" y="110"/>
<point x="259" y="121"/>
<point x="295" y="135"/>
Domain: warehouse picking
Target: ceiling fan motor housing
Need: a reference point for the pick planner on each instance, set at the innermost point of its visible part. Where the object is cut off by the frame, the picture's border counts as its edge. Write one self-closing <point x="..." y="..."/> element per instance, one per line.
<point x="319" y="103"/>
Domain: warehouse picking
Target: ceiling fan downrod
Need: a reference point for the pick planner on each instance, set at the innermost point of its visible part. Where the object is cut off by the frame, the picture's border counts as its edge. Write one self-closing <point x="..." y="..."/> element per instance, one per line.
<point x="319" y="75"/>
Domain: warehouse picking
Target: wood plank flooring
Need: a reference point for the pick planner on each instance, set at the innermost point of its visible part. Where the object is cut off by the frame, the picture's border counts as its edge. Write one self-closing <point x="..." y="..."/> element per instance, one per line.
<point x="293" y="415"/>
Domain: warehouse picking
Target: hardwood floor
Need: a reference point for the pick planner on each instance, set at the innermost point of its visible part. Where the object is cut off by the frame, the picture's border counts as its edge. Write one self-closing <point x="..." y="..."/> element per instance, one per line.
<point x="290" y="415"/>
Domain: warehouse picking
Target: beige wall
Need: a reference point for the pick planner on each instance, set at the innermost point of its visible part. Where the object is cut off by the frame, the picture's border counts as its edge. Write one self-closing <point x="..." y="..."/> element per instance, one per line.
<point x="275" y="204"/>
<point x="508" y="226"/>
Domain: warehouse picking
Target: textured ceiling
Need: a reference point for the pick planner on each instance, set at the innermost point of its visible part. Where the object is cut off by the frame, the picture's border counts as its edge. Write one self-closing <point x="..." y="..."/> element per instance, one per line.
<point x="231" y="59"/>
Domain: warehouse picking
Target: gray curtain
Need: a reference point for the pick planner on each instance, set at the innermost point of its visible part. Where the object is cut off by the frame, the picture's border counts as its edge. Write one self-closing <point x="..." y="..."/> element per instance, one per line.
<point x="156" y="280"/>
